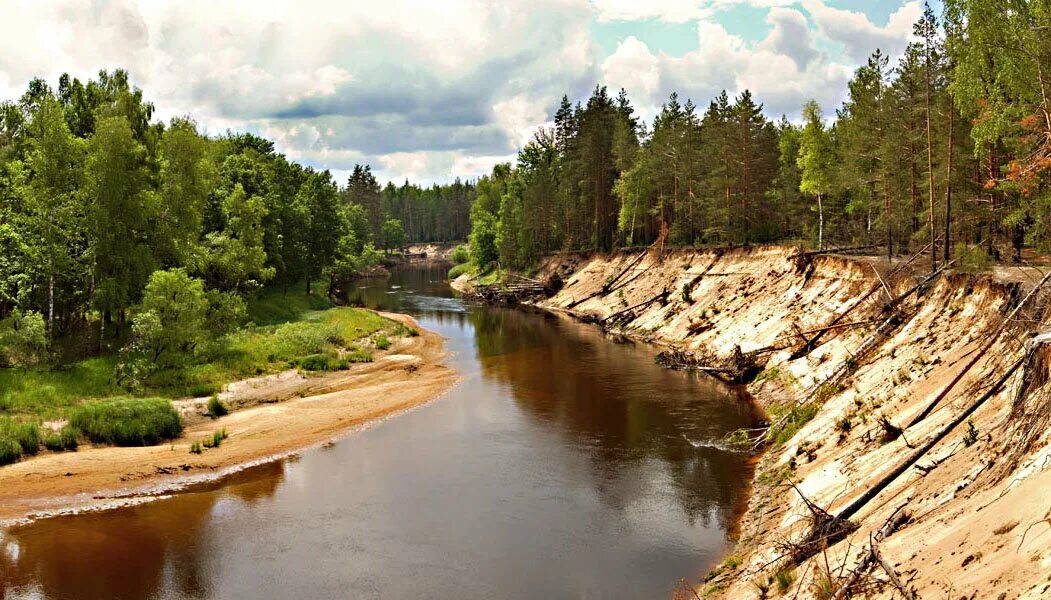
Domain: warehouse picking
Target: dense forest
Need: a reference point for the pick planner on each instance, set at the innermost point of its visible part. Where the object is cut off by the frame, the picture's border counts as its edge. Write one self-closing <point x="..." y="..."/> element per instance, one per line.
<point x="951" y="144"/>
<point x="95" y="197"/>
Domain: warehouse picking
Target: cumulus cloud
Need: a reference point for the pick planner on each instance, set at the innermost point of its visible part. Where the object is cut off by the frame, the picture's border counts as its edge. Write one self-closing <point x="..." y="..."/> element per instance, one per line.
<point x="634" y="68"/>
<point x="428" y="90"/>
<point x="860" y="36"/>
<point x="790" y="35"/>
<point x="337" y="81"/>
<point x="782" y="70"/>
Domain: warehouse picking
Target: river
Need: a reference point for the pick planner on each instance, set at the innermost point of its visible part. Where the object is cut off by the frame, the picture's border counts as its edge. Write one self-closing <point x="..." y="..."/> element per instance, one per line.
<point x="564" y="465"/>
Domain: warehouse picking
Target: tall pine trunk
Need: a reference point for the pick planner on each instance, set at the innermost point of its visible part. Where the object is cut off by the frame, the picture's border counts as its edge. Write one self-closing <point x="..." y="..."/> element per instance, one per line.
<point x="948" y="187"/>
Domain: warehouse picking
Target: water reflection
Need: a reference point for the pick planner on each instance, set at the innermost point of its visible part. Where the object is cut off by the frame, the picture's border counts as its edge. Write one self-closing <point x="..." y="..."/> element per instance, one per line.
<point x="563" y="465"/>
<point x="128" y="553"/>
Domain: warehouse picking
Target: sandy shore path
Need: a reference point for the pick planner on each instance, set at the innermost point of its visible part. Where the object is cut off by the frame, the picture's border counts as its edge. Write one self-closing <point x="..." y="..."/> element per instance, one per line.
<point x="287" y="413"/>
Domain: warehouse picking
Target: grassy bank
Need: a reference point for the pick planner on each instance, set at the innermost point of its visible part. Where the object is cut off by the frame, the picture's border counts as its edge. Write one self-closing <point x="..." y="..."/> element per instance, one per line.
<point x="287" y="330"/>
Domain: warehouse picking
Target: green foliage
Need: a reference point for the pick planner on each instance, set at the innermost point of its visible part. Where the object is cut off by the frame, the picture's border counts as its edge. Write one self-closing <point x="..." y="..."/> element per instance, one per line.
<point x="215" y="441"/>
<point x="195" y="448"/>
<point x="171" y="320"/>
<point x="64" y="439"/>
<point x="23" y="340"/>
<point x="325" y="361"/>
<point x="392" y="234"/>
<point x="483" y="238"/>
<point x="784" y="578"/>
<point x="127" y="421"/>
<point x="788" y="422"/>
<point x="460" y="254"/>
<point x="235" y="258"/>
<point x="274" y="306"/>
<point x="972" y="259"/>
<point x="10" y="451"/>
<point x="460" y="269"/>
<point x="382" y="342"/>
<point x="970" y="437"/>
<point x="216" y="408"/>
<point x="25" y="435"/>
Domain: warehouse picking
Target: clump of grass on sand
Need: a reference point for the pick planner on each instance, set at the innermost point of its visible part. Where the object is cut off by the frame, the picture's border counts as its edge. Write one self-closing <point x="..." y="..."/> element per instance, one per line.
<point x="127" y="421"/>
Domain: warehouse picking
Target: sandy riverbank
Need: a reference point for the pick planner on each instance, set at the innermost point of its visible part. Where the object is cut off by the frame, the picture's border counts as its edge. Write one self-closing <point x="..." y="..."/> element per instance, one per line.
<point x="282" y="414"/>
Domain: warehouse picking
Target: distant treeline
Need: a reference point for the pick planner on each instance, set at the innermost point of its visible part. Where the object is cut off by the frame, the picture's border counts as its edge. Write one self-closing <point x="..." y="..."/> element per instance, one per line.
<point x="951" y="144"/>
<point x="95" y="196"/>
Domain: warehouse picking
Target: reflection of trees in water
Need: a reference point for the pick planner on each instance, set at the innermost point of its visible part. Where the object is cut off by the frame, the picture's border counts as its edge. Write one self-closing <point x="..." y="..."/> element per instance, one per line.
<point x="377" y="293"/>
<point x="612" y="399"/>
<point x="133" y="552"/>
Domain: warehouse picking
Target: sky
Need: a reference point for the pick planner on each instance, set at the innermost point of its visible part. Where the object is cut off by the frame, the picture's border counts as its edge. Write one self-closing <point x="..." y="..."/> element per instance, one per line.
<point x="433" y="90"/>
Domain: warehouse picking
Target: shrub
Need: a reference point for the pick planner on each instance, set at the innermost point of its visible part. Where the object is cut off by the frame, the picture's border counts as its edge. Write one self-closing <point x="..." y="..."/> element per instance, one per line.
<point x="195" y="448"/>
<point x="10" y="451"/>
<point x="65" y="439"/>
<point x="26" y="435"/>
<point x="973" y="259"/>
<point x="460" y="255"/>
<point x="382" y="342"/>
<point x="127" y="421"/>
<point x="203" y="389"/>
<point x="23" y="339"/>
<point x="172" y="317"/>
<point x="971" y="437"/>
<point x="322" y="362"/>
<point x="794" y="420"/>
<point x="459" y="270"/>
<point x="216" y="440"/>
<point x="299" y="339"/>
<point x="784" y="579"/>
<point x="358" y="355"/>
<point x="216" y="408"/>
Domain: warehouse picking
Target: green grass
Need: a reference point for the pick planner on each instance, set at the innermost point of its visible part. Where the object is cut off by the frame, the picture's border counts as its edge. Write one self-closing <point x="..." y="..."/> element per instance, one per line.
<point x="460" y="270"/>
<point x="127" y="421"/>
<point x="382" y="342"/>
<point x="217" y="439"/>
<point x="293" y="330"/>
<point x="17" y="439"/>
<point x="794" y="420"/>
<point x="216" y="408"/>
<point x="266" y="349"/>
<point x="64" y="439"/>
<point x="275" y="306"/>
<point x="47" y="394"/>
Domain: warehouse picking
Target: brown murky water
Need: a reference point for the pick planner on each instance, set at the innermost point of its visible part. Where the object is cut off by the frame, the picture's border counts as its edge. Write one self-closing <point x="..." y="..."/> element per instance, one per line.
<point x="563" y="466"/>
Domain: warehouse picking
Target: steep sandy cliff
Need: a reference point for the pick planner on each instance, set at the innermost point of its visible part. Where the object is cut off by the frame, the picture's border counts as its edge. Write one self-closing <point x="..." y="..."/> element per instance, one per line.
<point x="971" y="519"/>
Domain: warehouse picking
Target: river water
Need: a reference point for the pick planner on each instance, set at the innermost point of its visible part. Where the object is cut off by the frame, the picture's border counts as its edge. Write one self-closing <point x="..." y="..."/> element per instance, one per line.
<point x="564" y="465"/>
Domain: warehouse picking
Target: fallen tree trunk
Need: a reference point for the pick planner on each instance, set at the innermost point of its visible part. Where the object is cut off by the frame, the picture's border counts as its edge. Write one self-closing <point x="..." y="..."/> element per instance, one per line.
<point x="838" y="250"/>
<point x="887" y="479"/>
<point x="608" y="286"/>
<point x="809" y="345"/>
<point x="990" y="340"/>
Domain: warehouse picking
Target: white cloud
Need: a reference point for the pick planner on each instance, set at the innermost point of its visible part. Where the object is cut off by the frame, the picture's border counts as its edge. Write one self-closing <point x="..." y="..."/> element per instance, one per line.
<point x="633" y="67"/>
<point x="672" y="11"/>
<point x="790" y="35"/>
<point x="860" y="36"/>
<point x="422" y="89"/>
<point x="675" y="11"/>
